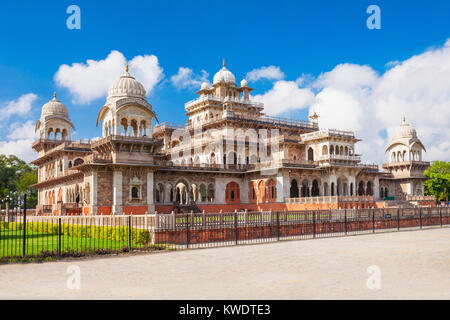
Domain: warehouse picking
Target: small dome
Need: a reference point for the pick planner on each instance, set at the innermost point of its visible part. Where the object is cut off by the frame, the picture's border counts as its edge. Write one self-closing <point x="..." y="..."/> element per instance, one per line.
<point x="54" y="107"/>
<point x="224" y="76"/>
<point x="205" y="86"/>
<point x="404" y="131"/>
<point x="126" y="86"/>
<point x="244" y="83"/>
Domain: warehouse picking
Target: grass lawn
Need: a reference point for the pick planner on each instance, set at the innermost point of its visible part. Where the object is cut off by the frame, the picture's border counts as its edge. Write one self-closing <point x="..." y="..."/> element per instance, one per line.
<point x="11" y="243"/>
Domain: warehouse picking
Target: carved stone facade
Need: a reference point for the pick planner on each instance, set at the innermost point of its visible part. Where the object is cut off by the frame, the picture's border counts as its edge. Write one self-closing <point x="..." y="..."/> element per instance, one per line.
<point x="228" y="156"/>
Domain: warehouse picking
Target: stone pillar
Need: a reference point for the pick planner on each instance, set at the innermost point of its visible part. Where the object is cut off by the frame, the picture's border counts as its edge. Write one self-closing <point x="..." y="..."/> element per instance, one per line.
<point x="376" y="188"/>
<point x="150" y="187"/>
<point x="117" y="193"/>
<point x="93" y="192"/>
<point x="283" y="185"/>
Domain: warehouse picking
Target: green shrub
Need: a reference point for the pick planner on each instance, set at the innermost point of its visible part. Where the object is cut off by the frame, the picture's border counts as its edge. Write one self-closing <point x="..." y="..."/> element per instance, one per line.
<point x="138" y="236"/>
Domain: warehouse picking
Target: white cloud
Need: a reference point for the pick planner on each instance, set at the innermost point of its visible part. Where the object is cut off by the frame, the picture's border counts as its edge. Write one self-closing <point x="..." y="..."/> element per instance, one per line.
<point x="285" y="96"/>
<point x="355" y="97"/>
<point x="21" y="137"/>
<point x="21" y="106"/>
<point x="186" y="79"/>
<point x="90" y="81"/>
<point x="146" y="70"/>
<point x="23" y="131"/>
<point x="270" y="73"/>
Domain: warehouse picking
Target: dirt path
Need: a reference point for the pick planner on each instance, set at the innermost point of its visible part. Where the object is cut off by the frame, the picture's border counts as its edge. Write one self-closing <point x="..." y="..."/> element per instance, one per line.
<point x="413" y="265"/>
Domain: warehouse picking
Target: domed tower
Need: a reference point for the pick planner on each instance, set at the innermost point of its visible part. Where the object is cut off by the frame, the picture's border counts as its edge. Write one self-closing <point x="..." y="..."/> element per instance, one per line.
<point x="127" y="146"/>
<point x="54" y="123"/>
<point x="126" y="112"/>
<point x="405" y="164"/>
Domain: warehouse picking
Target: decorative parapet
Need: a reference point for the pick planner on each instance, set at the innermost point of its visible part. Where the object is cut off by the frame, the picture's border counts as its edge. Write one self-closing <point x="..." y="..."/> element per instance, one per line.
<point x="330" y="199"/>
<point x="325" y="133"/>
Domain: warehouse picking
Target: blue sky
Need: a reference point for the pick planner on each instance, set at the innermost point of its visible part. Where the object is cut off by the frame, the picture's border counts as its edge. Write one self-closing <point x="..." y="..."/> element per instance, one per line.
<point x="297" y="37"/>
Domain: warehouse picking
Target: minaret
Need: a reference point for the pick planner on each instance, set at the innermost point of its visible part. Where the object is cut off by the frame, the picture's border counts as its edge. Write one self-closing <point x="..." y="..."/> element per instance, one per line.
<point x="314" y="117"/>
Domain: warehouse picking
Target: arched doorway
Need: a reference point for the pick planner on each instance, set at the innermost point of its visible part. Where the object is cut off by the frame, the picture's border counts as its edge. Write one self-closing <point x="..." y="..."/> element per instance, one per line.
<point x="369" y="190"/>
<point x="305" y="188"/>
<point x="361" y="188"/>
<point x="315" y="192"/>
<point x="294" y="189"/>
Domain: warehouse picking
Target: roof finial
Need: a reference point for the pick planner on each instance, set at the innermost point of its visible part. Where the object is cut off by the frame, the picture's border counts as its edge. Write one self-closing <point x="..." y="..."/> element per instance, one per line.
<point x="224" y="62"/>
<point x="54" y="94"/>
<point x="126" y="68"/>
<point x="404" y="119"/>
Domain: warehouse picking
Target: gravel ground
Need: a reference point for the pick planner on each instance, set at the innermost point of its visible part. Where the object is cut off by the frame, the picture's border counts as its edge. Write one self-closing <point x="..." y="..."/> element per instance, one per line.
<point x="413" y="265"/>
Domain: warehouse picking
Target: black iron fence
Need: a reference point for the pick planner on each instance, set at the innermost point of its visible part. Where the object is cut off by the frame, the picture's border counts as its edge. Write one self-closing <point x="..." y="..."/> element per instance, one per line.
<point x="23" y="236"/>
<point x="210" y="230"/>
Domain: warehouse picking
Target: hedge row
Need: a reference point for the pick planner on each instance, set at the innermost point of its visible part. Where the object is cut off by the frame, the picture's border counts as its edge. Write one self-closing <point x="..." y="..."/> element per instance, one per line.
<point x="138" y="236"/>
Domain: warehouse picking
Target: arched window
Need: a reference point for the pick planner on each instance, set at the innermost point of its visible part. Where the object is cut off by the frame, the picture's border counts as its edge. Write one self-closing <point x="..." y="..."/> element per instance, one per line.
<point x="232" y="194"/>
<point x="272" y="191"/>
<point x="310" y="154"/>
<point x="324" y="150"/>
<point x="77" y="162"/>
<point x="252" y="192"/>
<point x="211" y="193"/>
<point x="202" y="193"/>
<point x="262" y="191"/>
<point x="134" y="193"/>
<point x="332" y="189"/>
<point x="331" y="149"/>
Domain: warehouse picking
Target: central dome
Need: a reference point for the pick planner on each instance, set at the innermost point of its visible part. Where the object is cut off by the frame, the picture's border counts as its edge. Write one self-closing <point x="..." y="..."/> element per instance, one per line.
<point x="224" y="76"/>
<point x="404" y="131"/>
<point x="54" y="107"/>
<point x="126" y="86"/>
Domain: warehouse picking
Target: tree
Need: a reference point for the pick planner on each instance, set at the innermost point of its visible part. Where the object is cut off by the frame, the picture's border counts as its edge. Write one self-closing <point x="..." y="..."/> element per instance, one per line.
<point x="16" y="176"/>
<point x="438" y="184"/>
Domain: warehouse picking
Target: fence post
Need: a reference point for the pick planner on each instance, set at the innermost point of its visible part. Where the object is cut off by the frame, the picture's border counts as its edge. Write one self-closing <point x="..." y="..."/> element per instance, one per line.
<point x="314" y="224"/>
<point x="59" y="236"/>
<point x="187" y="230"/>
<point x="24" y="225"/>
<point x="345" y="221"/>
<point x="236" y="226"/>
<point x="278" y="226"/>
<point x="373" y="220"/>
<point x="398" y="219"/>
<point x="440" y="215"/>
<point x="129" y="232"/>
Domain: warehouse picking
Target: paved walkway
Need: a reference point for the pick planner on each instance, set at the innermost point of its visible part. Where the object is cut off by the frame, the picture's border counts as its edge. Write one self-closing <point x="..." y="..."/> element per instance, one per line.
<point x="413" y="265"/>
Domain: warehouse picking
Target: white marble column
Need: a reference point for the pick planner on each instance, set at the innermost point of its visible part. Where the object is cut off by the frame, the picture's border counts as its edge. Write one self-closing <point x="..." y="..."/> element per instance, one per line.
<point x="117" y="192"/>
<point x="150" y="187"/>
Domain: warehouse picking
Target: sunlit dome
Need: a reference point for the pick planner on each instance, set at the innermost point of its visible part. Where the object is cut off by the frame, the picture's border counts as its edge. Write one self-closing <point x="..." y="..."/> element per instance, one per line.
<point x="224" y="76"/>
<point x="205" y="86"/>
<point x="54" y="108"/>
<point x="404" y="131"/>
<point x="244" y="83"/>
<point x="126" y="86"/>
